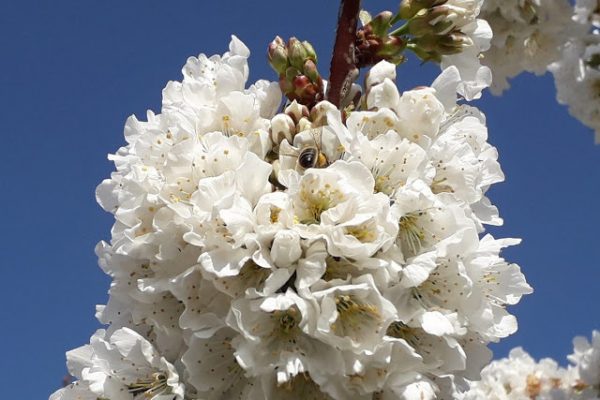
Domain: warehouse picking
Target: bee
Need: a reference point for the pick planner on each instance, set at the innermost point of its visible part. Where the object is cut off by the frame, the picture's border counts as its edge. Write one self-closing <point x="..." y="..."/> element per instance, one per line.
<point x="310" y="155"/>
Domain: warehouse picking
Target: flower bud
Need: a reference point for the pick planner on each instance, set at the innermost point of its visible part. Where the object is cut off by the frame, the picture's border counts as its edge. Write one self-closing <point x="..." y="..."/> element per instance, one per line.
<point x="297" y="53"/>
<point x="302" y="84"/>
<point x="296" y="111"/>
<point x="295" y="62"/>
<point x="432" y="47"/>
<point x="291" y="73"/>
<point x="310" y="51"/>
<point x="392" y="50"/>
<point x="380" y="24"/>
<point x="305" y="91"/>
<point x="278" y="55"/>
<point x="370" y="50"/>
<point x="304" y="124"/>
<point x="432" y="21"/>
<point x="310" y="70"/>
<point x="409" y="8"/>
<point x="282" y="127"/>
<point x="286" y="249"/>
<point x="426" y="55"/>
<point x="318" y="114"/>
<point x="285" y="85"/>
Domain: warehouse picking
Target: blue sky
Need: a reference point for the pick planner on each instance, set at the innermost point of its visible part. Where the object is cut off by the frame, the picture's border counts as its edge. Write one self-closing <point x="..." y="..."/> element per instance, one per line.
<point x="72" y="71"/>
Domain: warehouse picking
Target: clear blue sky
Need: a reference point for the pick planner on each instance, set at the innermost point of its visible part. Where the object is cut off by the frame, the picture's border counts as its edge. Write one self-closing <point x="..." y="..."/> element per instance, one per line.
<point x="71" y="71"/>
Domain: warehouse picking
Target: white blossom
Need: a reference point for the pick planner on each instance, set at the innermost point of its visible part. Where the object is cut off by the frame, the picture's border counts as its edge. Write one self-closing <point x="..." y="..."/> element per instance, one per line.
<point x="311" y="253"/>
<point x="528" y="36"/>
<point x="577" y="80"/>
<point x="586" y="359"/>
<point x="520" y="377"/>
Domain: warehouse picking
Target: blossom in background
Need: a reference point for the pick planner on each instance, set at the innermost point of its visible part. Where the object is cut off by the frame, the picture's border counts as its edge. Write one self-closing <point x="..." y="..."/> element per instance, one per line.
<point x="586" y="360"/>
<point x="476" y="34"/>
<point x="306" y="253"/>
<point x="528" y="36"/>
<point x="548" y="35"/>
<point x="520" y="377"/>
<point x="577" y="72"/>
<point x="122" y="366"/>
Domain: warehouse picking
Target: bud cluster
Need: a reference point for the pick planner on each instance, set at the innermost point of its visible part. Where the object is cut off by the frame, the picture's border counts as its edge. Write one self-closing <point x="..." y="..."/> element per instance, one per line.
<point x="296" y="64"/>
<point x="435" y="27"/>
<point x="448" y="32"/>
<point x="374" y="43"/>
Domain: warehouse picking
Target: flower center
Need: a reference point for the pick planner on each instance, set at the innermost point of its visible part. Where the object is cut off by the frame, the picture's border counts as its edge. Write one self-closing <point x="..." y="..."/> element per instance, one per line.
<point x="354" y="317"/>
<point x="285" y="321"/>
<point x="337" y="268"/>
<point x="411" y="235"/>
<point x="400" y="330"/>
<point x="153" y="386"/>
<point x="364" y="233"/>
<point x="317" y="201"/>
<point x="302" y="386"/>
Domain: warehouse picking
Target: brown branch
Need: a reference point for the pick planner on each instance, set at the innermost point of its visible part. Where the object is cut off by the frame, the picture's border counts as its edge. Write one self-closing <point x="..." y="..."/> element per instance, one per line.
<point x="343" y="70"/>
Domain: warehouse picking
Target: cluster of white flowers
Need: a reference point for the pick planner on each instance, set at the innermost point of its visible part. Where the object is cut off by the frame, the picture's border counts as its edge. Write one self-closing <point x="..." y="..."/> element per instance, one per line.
<point x="299" y="254"/>
<point x="549" y="35"/>
<point x="465" y="17"/>
<point x="528" y="36"/>
<point x="520" y="377"/>
<point x="577" y="73"/>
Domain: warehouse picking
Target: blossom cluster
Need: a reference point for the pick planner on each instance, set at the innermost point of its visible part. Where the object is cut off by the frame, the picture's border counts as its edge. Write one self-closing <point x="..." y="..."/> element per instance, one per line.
<point x="520" y="377"/>
<point x="577" y="72"/>
<point x="261" y="252"/>
<point x="549" y="35"/>
<point x="528" y="36"/>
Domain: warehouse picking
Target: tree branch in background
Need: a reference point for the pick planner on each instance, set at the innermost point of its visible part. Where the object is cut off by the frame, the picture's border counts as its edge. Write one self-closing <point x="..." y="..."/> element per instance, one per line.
<point x="343" y="62"/>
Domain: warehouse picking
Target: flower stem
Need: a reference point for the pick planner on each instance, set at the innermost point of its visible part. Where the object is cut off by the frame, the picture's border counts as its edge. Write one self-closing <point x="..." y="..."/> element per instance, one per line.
<point x="343" y="62"/>
<point x="400" y="31"/>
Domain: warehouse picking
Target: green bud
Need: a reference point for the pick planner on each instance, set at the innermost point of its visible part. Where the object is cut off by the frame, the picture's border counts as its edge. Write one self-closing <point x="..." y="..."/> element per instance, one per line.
<point x="310" y="70"/>
<point x="310" y="51"/>
<point x="296" y="52"/>
<point x="425" y="55"/>
<point x="435" y="46"/>
<point x="409" y="8"/>
<point x="453" y="43"/>
<point x="365" y="17"/>
<point x="392" y="49"/>
<point x="432" y="21"/>
<point x="291" y="73"/>
<point x="380" y="24"/>
<point x="278" y="55"/>
<point x="285" y="85"/>
<point x="295" y="62"/>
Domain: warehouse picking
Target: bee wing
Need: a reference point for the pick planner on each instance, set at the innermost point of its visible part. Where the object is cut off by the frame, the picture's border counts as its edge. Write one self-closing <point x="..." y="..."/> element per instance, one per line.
<point x="309" y="137"/>
<point x="288" y="155"/>
<point x="287" y="150"/>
